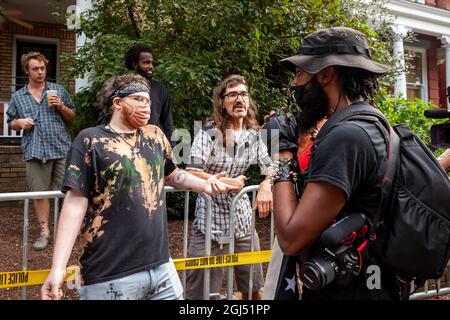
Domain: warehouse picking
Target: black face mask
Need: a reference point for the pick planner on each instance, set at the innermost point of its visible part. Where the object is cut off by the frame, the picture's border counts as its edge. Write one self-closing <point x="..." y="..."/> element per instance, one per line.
<point x="313" y="104"/>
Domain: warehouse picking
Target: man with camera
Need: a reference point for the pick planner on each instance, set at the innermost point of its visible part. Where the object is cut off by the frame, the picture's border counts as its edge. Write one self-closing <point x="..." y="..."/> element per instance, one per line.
<point x="334" y="74"/>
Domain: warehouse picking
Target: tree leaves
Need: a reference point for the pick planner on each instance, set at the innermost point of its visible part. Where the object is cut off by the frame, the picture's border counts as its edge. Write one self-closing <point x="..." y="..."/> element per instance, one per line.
<point x="197" y="43"/>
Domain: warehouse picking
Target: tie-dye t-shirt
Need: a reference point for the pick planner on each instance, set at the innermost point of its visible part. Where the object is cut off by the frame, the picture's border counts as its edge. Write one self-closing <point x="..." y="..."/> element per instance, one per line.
<point x="125" y="227"/>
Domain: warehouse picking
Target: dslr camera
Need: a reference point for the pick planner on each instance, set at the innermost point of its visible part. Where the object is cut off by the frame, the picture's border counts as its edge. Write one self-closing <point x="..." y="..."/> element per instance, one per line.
<point x="338" y="253"/>
<point x="440" y="133"/>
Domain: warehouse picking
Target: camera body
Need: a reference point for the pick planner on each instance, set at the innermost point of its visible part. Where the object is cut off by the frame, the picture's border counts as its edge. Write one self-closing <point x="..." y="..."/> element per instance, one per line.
<point x="440" y="133"/>
<point x="340" y="264"/>
<point x="336" y="256"/>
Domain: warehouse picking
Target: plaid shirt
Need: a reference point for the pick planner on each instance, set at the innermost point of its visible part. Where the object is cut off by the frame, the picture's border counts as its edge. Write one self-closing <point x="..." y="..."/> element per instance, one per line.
<point x="212" y="157"/>
<point x="50" y="137"/>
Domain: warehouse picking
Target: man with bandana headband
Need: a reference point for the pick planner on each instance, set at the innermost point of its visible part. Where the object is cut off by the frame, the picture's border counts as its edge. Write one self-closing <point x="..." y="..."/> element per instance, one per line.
<point x="139" y="58"/>
<point x="114" y="185"/>
<point x="335" y="76"/>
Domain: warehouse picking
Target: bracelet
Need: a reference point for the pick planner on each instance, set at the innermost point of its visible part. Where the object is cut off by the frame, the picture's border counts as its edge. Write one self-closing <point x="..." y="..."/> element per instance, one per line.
<point x="285" y="169"/>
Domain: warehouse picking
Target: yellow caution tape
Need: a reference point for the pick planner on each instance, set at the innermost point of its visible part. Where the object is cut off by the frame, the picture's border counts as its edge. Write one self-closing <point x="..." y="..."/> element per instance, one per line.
<point x="35" y="277"/>
<point x="224" y="260"/>
<point x="29" y="278"/>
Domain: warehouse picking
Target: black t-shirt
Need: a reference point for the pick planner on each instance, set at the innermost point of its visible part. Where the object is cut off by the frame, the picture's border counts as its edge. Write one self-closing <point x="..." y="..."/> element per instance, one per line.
<point x="125" y="226"/>
<point x="161" y="114"/>
<point x="347" y="158"/>
<point x="352" y="159"/>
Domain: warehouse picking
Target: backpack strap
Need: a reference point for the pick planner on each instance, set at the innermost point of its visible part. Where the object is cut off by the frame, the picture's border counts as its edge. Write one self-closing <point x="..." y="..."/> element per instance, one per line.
<point x="366" y="112"/>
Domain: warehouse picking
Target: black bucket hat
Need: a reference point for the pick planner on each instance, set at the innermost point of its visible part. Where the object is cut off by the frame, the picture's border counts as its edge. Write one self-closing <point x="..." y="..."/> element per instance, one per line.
<point x="337" y="46"/>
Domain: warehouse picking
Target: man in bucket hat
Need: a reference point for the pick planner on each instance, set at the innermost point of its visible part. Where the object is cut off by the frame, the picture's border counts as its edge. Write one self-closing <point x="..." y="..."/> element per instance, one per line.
<point x="335" y="76"/>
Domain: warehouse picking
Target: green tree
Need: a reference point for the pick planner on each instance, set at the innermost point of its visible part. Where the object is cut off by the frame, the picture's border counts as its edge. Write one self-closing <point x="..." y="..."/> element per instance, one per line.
<point x="197" y="43"/>
<point x="399" y="110"/>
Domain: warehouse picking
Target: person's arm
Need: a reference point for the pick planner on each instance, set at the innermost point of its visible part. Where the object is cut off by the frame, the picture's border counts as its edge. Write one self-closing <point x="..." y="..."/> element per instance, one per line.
<point x="264" y="198"/>
<point x="183" y="180"/>
<point x="72" y="214"/>
<point x="238" y="182"/>
<point x="444" y="160"/>
<point x="65" y="106"/>
<point x="67" y="113"/>
<point x="15" y="121"/>
<point x="23" y="123"/>
<point x="300" y="223"/>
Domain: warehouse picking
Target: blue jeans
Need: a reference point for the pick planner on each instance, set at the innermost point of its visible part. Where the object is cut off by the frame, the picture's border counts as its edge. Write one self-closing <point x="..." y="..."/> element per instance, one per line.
<point x="159" y="283"/>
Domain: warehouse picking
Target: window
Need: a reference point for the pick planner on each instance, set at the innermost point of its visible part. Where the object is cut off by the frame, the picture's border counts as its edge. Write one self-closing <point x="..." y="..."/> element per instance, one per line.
<point x="47" y="49"/>
<point x="416" y="77"/>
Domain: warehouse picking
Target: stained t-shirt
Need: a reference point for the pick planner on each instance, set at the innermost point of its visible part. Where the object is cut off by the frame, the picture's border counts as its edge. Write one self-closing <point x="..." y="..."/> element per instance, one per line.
<point x="125" y="227"/>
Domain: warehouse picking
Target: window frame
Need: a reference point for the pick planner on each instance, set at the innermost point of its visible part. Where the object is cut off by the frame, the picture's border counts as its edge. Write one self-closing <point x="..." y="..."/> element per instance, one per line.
<point x="424" y="86"/>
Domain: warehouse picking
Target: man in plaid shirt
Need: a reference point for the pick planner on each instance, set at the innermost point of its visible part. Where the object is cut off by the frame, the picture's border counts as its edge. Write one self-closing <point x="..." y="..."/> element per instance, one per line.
<point x="230" y="143"/>
<point x="46" y="138"/>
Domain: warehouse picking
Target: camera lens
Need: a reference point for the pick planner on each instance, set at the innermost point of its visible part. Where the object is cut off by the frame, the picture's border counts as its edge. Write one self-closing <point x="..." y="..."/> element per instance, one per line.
<point x="317" y="273"/>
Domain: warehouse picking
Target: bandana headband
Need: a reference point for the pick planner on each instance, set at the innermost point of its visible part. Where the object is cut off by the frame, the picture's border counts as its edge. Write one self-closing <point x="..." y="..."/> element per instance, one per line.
<point x="133" y="87"/>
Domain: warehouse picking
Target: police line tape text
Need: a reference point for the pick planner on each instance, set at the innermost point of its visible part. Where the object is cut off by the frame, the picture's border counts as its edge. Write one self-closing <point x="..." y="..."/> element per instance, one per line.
<point x="14" y="278"/>
<point x="211" y="260"/>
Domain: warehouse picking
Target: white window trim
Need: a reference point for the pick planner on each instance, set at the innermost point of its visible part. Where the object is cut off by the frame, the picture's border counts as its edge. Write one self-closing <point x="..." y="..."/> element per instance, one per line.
<point x="423" y="52"/>
<point x="420" y="18"/>
<point x="31" y="39"/>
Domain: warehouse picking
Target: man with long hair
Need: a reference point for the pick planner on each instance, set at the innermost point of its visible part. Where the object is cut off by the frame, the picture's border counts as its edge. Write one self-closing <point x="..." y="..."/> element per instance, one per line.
<point x="231" y="143"/>
<point x="114" y="185"/>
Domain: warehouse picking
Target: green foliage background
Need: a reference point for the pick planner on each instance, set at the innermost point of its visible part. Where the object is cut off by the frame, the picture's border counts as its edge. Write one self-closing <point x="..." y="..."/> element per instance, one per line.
<point x="197" y="43"/>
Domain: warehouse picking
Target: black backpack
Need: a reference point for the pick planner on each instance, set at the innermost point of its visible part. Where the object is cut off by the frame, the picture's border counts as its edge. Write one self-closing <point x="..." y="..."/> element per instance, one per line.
<point x="412" y="228"/>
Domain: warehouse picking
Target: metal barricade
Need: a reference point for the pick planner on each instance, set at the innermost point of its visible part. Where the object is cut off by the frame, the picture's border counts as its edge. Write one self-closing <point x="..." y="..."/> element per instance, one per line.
<point x="26" y="197"/>
<point x="231" y="239"/>
<point x="438" y="289"/>
<point x="56" y="195"/>
<point x="228" y="239"/>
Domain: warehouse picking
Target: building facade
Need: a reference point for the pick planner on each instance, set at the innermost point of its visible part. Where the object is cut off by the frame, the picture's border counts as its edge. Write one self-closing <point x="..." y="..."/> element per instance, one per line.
<point x="27" y="25"/>
<point x="430" y="73"/>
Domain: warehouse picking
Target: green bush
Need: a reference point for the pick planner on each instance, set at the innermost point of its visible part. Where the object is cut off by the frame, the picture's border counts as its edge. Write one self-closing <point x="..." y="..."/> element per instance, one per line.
<point x="400" y="110"/>
<point x="197" y="43"/>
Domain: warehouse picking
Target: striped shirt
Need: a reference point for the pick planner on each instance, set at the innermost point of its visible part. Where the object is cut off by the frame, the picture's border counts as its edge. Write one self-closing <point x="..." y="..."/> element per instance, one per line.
<point x="212" y="157"/>
<point x="49" y="138"/>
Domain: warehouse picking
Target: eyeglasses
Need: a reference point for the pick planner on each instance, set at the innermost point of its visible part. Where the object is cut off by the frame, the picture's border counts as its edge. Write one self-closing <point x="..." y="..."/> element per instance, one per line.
<point x="143" y="101"/>
<point x="234" y="95"/>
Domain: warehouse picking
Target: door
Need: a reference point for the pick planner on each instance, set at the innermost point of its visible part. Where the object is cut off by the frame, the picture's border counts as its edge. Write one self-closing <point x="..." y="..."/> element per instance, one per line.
<point x="47" y="49"/>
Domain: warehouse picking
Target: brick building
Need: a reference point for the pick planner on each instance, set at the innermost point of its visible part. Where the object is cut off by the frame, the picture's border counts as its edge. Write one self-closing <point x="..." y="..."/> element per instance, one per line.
<point x="40" y="31"/>
<point x="430" y="22"/>
<point x="428" y="19"/>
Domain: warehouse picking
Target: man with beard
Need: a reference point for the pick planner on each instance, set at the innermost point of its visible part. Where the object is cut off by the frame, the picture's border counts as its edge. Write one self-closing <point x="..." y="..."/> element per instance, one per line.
<point x="139" y="58"/>
<point x="231" y="143"/>
<point x="334" y="77"/>
<point x="114" y="186"/>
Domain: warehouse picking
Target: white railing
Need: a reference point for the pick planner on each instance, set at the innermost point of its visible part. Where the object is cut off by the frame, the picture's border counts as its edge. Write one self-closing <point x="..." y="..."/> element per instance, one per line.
<point x="7" y="131"/>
